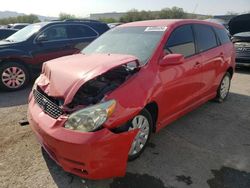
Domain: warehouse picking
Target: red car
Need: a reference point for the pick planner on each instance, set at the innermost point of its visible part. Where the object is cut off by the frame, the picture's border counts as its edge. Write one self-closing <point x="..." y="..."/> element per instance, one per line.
<point x="95" y="110"/>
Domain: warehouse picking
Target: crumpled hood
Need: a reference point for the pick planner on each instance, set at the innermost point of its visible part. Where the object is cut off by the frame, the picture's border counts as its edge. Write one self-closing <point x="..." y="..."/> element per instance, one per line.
<point x="239" y="24"/>
<point x="63" y="77"/>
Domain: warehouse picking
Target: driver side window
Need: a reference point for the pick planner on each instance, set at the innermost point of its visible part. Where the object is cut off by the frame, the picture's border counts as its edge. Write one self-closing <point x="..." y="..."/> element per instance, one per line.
<point x="55" y="33"/>
<point x="181" y="41"/>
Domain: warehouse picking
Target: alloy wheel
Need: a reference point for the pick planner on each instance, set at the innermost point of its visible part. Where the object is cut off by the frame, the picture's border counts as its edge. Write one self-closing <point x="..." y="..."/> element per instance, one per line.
<point x="139" y="122"/>
<point x="13" y="77"/>
<point x="225" y="85"/>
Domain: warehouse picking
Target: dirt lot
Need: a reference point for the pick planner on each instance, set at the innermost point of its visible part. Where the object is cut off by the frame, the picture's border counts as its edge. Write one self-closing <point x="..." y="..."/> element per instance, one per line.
<point x="209" y="147"/>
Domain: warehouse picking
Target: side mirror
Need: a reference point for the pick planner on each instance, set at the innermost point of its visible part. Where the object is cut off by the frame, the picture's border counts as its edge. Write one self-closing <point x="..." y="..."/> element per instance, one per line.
<point x="172" y="59"/>
<point x="41" y="38"/>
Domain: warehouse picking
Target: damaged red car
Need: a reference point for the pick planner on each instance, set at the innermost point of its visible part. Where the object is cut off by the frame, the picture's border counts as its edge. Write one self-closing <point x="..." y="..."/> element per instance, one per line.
<point x="94" y="111"/>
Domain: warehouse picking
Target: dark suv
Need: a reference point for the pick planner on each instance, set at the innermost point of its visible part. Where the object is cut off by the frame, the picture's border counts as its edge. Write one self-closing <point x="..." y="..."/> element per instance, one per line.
<point x="24" y="52"/>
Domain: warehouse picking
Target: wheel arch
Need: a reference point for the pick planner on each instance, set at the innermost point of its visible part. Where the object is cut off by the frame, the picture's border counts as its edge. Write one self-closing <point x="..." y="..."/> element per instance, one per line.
<point x="230" y="70"/>
<point x="16" y="60"/>
<point x="153" y="109"/>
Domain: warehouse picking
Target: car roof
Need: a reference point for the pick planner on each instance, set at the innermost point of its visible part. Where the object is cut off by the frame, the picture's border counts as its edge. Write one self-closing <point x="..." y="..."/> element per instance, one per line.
<point x="168" y="23"/>
<point x="15" y="24"/>
<point x="45" y="23"/>
<point x="76" y="21"/>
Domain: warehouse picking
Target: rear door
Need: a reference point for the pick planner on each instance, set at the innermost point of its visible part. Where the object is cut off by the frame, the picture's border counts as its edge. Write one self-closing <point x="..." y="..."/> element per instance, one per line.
<point x="180" y="82"/>
<point x="80" y="36"/>
<point x="229" y="51"/>
<point x="212" y="56"/>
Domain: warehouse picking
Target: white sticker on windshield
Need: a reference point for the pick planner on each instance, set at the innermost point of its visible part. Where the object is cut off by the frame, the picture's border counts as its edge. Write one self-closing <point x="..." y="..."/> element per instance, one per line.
<point x="157" y="28"/>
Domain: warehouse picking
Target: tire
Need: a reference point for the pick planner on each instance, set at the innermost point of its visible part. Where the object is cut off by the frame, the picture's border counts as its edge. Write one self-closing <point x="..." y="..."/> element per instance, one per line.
<point x="143" y="136"/>
<point x="13" y="76"/>
<point x="224" y="88"/>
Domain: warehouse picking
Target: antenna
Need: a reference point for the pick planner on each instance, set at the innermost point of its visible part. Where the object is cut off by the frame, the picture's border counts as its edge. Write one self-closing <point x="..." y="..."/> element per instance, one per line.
<point x="195" y="7"/>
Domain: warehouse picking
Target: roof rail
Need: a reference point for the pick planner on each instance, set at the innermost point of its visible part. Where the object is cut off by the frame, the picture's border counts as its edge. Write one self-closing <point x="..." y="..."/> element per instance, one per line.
<point x="80" y="20"/>
<point x="54" y="20"/>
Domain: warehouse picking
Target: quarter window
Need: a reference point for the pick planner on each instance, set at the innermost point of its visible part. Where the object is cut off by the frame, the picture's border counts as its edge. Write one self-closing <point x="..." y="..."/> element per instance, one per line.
<point x="80" y="31"/>
<point x="223" y="35"/>
<point x="181" y="41"/>
<point x="205" y="37"/>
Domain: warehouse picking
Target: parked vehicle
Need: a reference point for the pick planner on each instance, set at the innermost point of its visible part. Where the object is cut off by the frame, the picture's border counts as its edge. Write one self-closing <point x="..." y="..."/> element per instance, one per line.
<point x="18" y="26"/>
<point x="112" y="25"/>
<point x="93" y="111"/>
<point x="4" y="33"/>
<point x="239" y="27"/>
<point x="218" y="21"/>
<point x="27" y="49"/>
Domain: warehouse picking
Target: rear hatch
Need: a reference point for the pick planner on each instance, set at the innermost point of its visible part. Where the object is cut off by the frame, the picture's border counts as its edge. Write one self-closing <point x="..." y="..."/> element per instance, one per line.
<point x="239" y="24"/>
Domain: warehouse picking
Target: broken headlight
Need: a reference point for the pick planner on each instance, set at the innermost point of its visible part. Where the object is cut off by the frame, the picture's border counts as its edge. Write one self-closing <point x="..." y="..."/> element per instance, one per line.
<point x="90" y="118"/>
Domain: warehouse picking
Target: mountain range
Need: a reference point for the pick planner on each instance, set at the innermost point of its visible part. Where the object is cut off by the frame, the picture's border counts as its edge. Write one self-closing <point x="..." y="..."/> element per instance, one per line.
<point x="6" y="14"/>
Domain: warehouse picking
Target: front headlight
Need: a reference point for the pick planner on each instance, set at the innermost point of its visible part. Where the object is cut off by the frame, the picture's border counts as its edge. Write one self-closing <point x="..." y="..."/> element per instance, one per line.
<point x="91" y="118"/>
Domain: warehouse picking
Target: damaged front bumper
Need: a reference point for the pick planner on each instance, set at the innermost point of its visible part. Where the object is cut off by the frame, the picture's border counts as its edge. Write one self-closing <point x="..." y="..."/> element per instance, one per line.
<point x="92" y="155"/>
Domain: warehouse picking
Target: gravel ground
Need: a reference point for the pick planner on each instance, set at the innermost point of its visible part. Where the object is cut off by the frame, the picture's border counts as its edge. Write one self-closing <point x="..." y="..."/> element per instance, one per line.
<point x="209" y="147"/>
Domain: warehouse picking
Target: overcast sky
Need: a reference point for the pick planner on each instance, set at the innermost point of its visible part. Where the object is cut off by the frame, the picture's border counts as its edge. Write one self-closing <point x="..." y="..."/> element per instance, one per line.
<point x="84" y="7"/>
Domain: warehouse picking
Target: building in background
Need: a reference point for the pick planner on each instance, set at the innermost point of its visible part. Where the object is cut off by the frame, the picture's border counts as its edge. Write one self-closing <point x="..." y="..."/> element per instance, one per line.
<point x="114" y="15"/>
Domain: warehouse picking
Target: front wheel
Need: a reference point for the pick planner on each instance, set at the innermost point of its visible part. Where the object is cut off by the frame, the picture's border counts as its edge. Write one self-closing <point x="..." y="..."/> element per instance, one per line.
<point x="13" y="76"/>
<point x="224" y="87"/>
<point x="144" y="123"/>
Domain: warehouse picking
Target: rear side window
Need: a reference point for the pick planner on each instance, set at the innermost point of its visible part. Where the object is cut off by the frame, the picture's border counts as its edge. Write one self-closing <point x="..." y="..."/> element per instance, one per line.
<point x="181" y="41"/>
<point x="205" y="37"/>
<point x="80" y="31"/>
<point x="222" y="35"/>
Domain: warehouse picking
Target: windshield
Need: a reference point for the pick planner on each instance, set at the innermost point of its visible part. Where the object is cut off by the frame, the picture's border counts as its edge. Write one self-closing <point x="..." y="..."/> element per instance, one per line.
<point x="24" y="33"/>
<point x="137" y="41"/>
<point x="243" y="34"/>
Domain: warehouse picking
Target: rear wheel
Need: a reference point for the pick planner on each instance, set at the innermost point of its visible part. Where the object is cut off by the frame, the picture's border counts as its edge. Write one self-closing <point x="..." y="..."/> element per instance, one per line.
<point x="144" y="123"/>
<point x="224" y="87"/>
<point x="13" y="76"/>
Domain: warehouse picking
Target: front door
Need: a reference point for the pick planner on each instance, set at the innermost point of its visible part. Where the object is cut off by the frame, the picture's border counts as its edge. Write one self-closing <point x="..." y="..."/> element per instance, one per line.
<point x="180" y="82"/>
<point x="55" y="44"/>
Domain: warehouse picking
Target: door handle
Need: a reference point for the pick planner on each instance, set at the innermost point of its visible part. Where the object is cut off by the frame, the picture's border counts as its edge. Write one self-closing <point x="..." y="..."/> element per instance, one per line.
<point x="197" y="65"/>
<point x="221" y="55"/>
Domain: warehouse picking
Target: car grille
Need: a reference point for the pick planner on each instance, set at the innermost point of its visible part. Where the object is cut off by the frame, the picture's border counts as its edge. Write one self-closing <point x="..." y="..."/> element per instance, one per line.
<point x="242" y="49"/>
<point x="47" y="105"/>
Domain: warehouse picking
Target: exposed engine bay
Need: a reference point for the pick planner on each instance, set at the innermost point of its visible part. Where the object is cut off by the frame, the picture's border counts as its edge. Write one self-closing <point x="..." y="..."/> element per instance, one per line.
<point x="94" y="90"/>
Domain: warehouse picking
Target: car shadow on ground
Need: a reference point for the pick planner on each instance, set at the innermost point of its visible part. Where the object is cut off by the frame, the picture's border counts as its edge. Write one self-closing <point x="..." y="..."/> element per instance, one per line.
<point x="15" y="98"/>
<point x="210" y="139"/>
